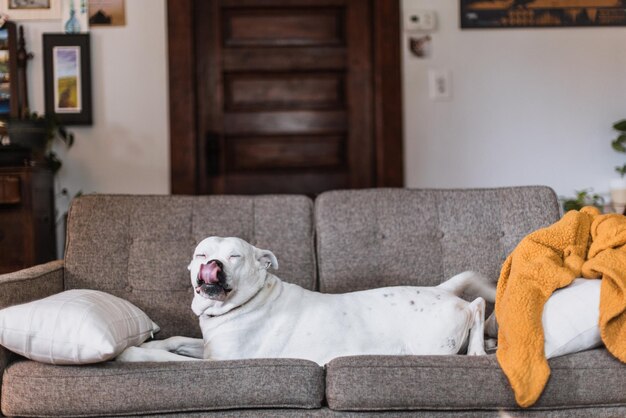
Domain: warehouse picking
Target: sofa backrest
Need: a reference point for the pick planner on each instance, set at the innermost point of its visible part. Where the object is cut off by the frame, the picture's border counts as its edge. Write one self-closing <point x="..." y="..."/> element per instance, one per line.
<point x="386" y="237"/>
<point x="138" y="247"/>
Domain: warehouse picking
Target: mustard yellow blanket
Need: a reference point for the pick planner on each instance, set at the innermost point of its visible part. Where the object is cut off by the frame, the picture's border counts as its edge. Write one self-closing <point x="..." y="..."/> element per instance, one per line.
<point x="582" y="244"/>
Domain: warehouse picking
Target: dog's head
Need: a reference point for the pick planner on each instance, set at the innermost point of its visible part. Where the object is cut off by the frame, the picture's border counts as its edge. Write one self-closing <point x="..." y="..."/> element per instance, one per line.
<point x="227" y="272"/>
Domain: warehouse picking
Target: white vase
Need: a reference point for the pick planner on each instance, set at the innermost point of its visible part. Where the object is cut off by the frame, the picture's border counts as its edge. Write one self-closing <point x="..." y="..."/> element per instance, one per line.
<point x="618" y="194"/>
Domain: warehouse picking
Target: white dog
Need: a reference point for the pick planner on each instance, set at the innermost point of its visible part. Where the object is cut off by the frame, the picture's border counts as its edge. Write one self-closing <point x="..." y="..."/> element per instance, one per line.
<point x="247" y="312"/>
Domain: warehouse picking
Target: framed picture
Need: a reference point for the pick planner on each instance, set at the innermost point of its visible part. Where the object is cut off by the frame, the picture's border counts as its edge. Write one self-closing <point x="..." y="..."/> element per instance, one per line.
<point x="31" y="9"/>
<point x="9" y="101"/>
<point x="67" y="77"/>
<point x="107" y="13"/>
<point x="540" y="13"/>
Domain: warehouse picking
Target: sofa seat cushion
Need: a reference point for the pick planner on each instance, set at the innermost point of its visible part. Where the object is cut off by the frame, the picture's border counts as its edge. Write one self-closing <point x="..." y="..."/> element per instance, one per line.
<point x="462" y="382"/>
<point x="35" y="389"/>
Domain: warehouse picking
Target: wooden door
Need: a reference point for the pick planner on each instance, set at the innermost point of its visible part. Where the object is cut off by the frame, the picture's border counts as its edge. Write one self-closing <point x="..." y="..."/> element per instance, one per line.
<point x="284" y="96"/>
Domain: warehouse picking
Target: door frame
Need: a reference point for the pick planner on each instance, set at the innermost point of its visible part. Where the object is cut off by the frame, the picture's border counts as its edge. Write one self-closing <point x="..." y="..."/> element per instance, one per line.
<point x="387" y="95"/>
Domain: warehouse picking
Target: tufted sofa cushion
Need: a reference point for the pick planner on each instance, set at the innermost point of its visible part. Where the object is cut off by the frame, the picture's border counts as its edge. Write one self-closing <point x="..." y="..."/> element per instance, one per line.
<point x="369" y="383"/>
<point x="36" y="389"/>
<point x="386" y="237"/>
<point x="138" y="247"/>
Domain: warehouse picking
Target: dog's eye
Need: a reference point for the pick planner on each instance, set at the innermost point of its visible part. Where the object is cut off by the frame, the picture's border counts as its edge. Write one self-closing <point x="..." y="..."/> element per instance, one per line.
<point x="200" y="255"/>
<point x="234" y="256"/>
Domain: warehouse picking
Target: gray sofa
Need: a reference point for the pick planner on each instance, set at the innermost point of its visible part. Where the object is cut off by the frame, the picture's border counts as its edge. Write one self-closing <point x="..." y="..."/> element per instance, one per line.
<point x="137" y="247"/>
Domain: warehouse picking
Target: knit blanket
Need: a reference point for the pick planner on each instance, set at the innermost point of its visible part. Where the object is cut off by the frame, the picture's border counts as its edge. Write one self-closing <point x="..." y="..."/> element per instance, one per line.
<point x="582" y="244"/>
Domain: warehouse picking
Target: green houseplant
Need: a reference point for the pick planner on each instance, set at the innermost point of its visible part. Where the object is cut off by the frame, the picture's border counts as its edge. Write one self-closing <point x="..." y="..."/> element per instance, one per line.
<point x="618" y="185"/>
<point x="583" y="198"/>
<point x="38" y="133"/>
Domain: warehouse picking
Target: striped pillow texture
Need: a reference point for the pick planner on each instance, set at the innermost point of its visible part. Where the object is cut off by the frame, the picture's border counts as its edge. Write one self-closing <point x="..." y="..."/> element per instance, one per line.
<point x="77" y="326"/>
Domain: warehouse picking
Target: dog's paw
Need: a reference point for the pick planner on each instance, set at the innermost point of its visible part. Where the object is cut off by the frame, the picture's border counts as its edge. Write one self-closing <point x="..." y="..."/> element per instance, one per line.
<point x="130" y="354"/>
<point x="478" y="352"/>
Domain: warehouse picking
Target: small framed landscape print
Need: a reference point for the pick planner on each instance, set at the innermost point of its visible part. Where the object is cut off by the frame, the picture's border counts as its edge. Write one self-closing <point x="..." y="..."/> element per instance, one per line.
<point x="67" y="74"/>
<point x="31" y="9"/>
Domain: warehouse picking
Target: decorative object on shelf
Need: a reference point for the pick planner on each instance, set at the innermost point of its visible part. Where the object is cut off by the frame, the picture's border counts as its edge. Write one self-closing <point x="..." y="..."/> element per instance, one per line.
<point x="9" y="101"/>
<point x="67" y="74"/>
<point x="31" y="9"/>
<point x="22" y="86"/>
<point x="420" y="46"/>
<point x="533" y="13"/>
<point x="75" y="18"/>
<point x="618" y="185"/>
<point x="107" y="13"/>
<point x="583" y="198"/>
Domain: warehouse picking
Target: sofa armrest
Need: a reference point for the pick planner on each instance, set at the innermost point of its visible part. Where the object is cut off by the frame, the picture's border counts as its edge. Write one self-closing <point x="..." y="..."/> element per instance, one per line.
<point x="27" y="285"/>
<point x="32" y="283"/>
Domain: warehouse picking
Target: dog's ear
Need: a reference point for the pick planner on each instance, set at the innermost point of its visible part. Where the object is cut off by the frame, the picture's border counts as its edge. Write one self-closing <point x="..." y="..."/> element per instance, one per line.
<point x="266" y="258"/>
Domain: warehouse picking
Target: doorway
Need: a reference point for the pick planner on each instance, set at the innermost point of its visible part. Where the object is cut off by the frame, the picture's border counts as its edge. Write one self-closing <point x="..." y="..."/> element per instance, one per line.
<point x="284" y="96"/>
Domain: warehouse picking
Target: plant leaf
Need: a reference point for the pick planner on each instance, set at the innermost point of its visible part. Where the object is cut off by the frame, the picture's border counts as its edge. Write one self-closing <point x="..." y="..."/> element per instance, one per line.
<point x="619" y="143"/>
<point x="620" y="126"/>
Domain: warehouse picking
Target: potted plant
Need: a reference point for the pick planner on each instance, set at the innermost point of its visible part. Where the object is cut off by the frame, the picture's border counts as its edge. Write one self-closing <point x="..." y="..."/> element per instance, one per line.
<point x="583" y="198"/>
<point x="37" y="133"/>
<point x="618" y="185"/>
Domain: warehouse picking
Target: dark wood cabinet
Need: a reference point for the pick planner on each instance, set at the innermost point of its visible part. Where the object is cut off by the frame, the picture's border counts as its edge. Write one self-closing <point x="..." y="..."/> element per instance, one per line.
<point x="27" y="227"/>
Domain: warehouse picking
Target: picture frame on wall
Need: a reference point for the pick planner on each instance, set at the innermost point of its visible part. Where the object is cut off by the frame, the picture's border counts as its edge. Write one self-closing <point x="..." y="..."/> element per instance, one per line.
<point x="107" y="13"/>
<point x="31" y="9"/>
<point x="485" y="14"/>
<point x="67" y="77"/>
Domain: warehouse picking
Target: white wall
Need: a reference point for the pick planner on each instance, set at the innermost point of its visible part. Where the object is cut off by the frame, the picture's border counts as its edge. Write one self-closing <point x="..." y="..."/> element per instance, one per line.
<point x="127" y="148"/>
<point x="529" y="106"/>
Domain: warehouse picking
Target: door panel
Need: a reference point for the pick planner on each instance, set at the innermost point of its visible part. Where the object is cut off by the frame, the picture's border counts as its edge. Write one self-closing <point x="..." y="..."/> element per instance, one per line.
<point x="294" y="91"/>
<point x="301" y="180"/>
<point x="283" y="26"/>
<point x="323" y="74"/>
<point x="284" y="96"/>
<point x="285" y="152"/>
<point x="284" y="59"/>
<point x="297" y="123"/>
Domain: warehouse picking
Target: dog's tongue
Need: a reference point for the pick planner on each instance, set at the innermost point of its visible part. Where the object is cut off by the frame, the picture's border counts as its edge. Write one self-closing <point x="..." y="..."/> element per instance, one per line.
<point x="208" y="273"/>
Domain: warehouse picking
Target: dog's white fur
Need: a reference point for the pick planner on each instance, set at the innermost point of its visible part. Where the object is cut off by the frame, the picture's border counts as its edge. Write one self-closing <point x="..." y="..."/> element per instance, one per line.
<point x="260" y="316"/>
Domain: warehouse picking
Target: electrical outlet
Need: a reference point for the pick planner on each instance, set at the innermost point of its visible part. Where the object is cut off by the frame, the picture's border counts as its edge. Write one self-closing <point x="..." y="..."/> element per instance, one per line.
<point x="419" y="20"/>
<point x="439" y="84"/>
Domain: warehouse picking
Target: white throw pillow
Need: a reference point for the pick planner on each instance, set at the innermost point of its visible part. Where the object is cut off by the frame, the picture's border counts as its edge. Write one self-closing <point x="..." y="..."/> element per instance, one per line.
<point x="570" y="318"/>
<point x="74" y="327"/>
